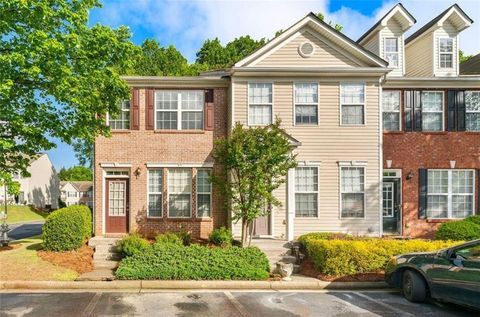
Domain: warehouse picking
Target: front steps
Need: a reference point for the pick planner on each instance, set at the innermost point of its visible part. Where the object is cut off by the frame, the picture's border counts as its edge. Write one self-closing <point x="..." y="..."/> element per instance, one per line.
<point x="105" y="259"/>
<point x="278" y="251"/>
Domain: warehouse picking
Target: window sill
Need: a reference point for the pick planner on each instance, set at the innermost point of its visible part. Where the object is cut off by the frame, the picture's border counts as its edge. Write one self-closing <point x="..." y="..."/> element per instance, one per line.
<point x="442" y="220"/>
<point x="120" y="131"/>
<point x="433" y="132"/>
<point x="393" y="132"/>
<point x="180" y="131"/>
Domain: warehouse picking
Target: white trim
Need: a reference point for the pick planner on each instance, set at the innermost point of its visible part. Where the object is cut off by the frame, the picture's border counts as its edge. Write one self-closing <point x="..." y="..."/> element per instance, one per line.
<point x="210" y="171"/>
<point x="168" y="193"/>
<point x="266" y="104"/>
<point x="390" y="111"/>
<point x="364" y="191"/>
<point x="439" y="53"/>
<point x="398" y="173"/>
<point x="317" y="104"/>
<point x="442" y="111"/>
<point x="352" y="163"/>
<point x="156" y="193"/>
<point x="104" y="195"/>
<point x="392" y="209"/>
<point x="364" y="103"/>
<point x="290" y="204"/>
<point x="380" y="152"/>
<point x="179" y="109"/>
<point x="310" y="192"/>
<point x="115" y="165"/>
<point x="309" y="163"/>
<point x="385" y="50"/>
<point x="180" y="165"/>
<point x="302" y="53"/>
<point x="467" y="112"/>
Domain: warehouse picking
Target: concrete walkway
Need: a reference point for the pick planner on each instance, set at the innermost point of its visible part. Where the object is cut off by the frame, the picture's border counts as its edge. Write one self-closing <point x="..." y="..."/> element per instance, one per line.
<point x="22" y="230"/>
<point x="277" y="251"/>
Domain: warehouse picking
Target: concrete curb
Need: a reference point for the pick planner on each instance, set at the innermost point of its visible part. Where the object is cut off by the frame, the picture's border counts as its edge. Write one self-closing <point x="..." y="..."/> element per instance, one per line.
<point x="192" y="285"/>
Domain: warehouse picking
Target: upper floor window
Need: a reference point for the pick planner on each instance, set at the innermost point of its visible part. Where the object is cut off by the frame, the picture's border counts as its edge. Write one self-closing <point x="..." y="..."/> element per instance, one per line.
<point x="71" y="194"/>
<point x="352" y="190"/>
<point x="306" y="103"/>
<point x="122" y="120"/>
<point x="306" y="192"/>
<point x="260" y="103"/>
<point x="352" y="104"/>
<point x="472" y="110"/>
<point x="432" y="110"/>
<point x="445" y="48"/>
<point x="391" y="110"/>
<point x="179" y="110"/>
<point x="391" y="51"/>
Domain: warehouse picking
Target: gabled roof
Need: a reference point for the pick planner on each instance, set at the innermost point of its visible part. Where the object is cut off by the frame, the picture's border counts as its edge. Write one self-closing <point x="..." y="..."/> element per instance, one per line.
<point x="397" y="10"/>
<point x="312" y="20"/>
<point x="80" y="186"/>
<point x="471" y="66"/>
<point x="463" y="19"/>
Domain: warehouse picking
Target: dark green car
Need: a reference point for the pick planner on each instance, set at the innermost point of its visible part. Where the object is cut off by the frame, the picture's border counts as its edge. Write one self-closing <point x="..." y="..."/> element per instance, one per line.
<point x="451" y="275"/>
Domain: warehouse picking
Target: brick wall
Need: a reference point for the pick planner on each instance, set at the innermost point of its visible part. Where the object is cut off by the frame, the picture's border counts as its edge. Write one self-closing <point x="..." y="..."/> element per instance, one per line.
<point x="411" y="151"/>
<point x="139" y="147"/>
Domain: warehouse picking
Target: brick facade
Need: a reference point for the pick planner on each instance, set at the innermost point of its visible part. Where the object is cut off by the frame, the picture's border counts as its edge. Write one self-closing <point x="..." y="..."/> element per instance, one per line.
<point x="135" y="148"/>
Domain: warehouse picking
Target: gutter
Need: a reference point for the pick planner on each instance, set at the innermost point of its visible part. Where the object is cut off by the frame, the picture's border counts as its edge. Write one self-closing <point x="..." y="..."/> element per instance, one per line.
<point x="175" y="81"/>
<point x="311" y="71"/>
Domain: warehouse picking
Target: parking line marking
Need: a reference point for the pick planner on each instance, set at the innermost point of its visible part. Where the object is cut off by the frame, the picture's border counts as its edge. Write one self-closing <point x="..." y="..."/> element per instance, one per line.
<point x="396" y="310"/>
<point x="91" y="305"/>
<point x="241" y="309"/>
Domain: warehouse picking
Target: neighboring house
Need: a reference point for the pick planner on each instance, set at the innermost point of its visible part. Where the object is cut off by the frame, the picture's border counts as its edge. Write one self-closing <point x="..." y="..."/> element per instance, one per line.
<point x="471" y="66"/>
<point x="368" y="134"/>
<point x="41" y="189"/>
<point x="77" y="193"/>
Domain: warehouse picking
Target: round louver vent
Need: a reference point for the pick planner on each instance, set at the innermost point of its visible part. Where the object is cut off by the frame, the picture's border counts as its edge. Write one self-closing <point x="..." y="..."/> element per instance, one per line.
<point x="306" y="49"/>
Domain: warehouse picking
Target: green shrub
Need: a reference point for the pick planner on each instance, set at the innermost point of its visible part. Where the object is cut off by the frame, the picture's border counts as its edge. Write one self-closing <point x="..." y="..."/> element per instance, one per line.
<point x="474" y="219"/>
<point x="67" y="228"/>
<point x="346" y="257"/>
<point x="221" y="236"/>
<point x="185" y="236"/>
<point x="168" y="261"/>
<point x="459" y="230"/>
<point x="168" y="238"/>
<point x="132" y="244"/>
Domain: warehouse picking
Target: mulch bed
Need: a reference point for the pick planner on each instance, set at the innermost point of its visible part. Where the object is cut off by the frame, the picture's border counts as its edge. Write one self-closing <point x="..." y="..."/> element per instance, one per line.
<point x="308" y="269"/>
<point x="10" y="247"/>
<point x="80" y="260"/>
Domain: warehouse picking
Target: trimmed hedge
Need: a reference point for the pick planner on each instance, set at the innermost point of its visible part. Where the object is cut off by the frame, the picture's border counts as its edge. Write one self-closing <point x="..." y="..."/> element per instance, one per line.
<point x="338" y="257"/>
<point x="222" y="237"/>
<point x="466" y="229"/>
<point x="474" y="219"/>
<point x="67" y="228"/>
<point x="175" y="262"/>
<point x="132" y="244"/>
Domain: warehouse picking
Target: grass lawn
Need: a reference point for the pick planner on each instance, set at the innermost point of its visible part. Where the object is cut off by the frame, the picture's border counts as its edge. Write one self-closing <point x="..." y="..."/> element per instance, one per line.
<point x="22" y="213"/>
<point x="23" y="263"/>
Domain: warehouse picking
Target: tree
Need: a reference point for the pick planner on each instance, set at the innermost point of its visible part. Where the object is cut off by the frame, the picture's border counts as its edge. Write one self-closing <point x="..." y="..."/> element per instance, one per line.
<point x="336" y="26"/>
<point x="59" y="76"/>
<point x="462" y="57"/>
<point x="256" y="162"/>
<point x="83" y="152"/>
<point x="75" y="173"/>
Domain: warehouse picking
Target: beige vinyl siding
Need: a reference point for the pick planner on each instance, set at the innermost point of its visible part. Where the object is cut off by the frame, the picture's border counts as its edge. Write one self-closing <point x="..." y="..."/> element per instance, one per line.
<point x="372" y="44"/>
<point x="329" y="143"/>
<point x="324" y="55"/>
<point x="393" y="29"/>
<point x="448" y="30"/>
<point x="419" y="57"/>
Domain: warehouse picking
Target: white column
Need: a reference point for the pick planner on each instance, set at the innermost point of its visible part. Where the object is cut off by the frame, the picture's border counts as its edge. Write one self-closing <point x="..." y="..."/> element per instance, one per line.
<point x="290" y="203"/>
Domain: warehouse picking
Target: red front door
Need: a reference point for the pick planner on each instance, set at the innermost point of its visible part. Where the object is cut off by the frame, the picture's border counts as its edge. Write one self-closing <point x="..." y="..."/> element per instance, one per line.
<point x="116" y="211"/>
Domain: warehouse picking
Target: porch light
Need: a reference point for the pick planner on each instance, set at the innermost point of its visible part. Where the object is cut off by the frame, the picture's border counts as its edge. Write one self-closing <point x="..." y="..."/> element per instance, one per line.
<point x="137" y="172"/>
<point x="410" y="175"/>
<point x="452" y="164"/>
<point x="389" y="163"/>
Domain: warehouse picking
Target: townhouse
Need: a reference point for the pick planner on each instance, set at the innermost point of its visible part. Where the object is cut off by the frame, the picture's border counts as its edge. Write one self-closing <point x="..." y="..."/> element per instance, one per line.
<point x="385" y="130"/>
<point x="77" y="193"/>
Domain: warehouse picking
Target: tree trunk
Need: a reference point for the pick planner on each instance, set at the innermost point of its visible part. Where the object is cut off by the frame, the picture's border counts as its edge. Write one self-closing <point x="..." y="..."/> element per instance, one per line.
<point x="244" y="232"/>
<point x="250" y="231"/>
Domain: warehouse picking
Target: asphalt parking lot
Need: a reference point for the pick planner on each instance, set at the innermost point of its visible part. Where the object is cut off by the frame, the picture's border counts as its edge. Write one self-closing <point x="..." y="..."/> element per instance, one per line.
<point x="228" y="303"/>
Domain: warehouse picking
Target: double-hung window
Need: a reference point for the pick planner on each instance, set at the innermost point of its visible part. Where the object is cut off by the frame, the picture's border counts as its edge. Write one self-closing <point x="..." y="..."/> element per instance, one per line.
<point x="306" y="103"/>
<point x="155" y="186"/>
<point x="352" y="192"/>
<point x="391" y="51"/>
<point x="306" y="192"/>
<point x="445" y="50"/>
<point x="260" y="103"/>
<point x="122" y="120"/>
<point x="179" y="192"/>
<point x="450" y="193"/>
<point x="391" y="110"/>
<point x="432" y="110"/>
<point x="352" y="103"/>
<point x="204" y="193"/>
<point x="179" y="110"/>
<point x="72" y="194"/>
<point x="472" y="110"/>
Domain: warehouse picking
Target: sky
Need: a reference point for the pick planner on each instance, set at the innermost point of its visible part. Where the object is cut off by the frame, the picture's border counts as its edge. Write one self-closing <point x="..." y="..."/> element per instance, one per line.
<point x="186" y="24"/>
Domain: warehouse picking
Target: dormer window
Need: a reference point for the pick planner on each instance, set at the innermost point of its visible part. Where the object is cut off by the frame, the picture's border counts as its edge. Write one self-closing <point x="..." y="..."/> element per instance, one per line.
<point x="391" y="51"/>
<point x="446" y="52"/>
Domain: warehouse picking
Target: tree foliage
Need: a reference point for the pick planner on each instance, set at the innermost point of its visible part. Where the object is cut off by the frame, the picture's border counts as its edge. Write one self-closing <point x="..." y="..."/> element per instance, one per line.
<point x="462" y="57"/>
<point x="336" y="26"/>
<point x="57" y="73"/>
<point x="256" y="161"/>
<point x="75" y="173"/>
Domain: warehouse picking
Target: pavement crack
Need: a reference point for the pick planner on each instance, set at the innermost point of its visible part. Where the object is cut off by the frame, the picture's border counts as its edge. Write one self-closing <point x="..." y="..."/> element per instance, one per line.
<point x="240" y="308"/>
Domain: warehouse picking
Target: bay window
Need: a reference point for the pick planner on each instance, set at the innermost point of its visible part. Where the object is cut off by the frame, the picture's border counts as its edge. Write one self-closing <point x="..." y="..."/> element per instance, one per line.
<point x="179" y="110"/>
<point x="260" y="103"/>
<point x="306" y="103"/>
<point x="352" y="104"/>
<point x="432" y="110"/>
<point x="179" y="192"/>
<point x="155" y="185"/>
<point x="306" y="192"/>
<point x="352" y="189"/>
<point x="204" y="194"/>
<point x="472" y="110"/>
<point x="391" y="110"/>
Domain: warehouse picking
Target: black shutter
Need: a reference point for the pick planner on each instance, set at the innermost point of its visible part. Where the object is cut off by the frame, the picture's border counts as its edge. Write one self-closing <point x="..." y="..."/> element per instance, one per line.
<point x="408" y="108"/>
<point x="452" y="110"/>
<point x="422" y="193"/>
<point x="417" y="109"/>
<point x="461" y="126"/>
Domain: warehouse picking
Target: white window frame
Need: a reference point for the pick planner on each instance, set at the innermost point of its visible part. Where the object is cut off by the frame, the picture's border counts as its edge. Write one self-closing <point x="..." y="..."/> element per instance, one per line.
<point x="307" y="192"/>
<point x="440" y="53"/>
<point x="156" y="193"/>
<point x="442" y="112"/>
<point x="259" y="104"/>
<point x="119" y="119"/>
<point x="353" y="104"/>
<point x="179" y="109"/>
<point x="391" y="111"/>
<point x="450" y="193"/>
<point x="364" y="192"/>
<point x="170" y="193"/>
<point x="385" y="52"/>
<point x="210" y="171"/>
<point x="317" y="104"/>
<point x="466" y="110"/>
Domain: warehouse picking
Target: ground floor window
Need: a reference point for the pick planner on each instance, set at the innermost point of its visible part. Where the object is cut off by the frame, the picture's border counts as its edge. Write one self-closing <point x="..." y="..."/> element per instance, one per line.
<point x="306" y="192"/>
<point x="352" y="187"/>
<point x="450" y="193"/>
<point x="179" y="192"/>
<point x="204" y="194"/>
<point x="155" y="185"/>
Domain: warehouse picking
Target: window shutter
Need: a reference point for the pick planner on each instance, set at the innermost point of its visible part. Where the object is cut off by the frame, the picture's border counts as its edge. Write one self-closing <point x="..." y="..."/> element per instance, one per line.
<point x="209" y="111"/>
<point x="422" y="194"/>
<point x="417" y="116"/>
<point x="135" y="110"/>
<point x="408" y="105"/>
<point x="452" y="110"/>
<point x="461" y="109"/>
<point x="150" y="116"/>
